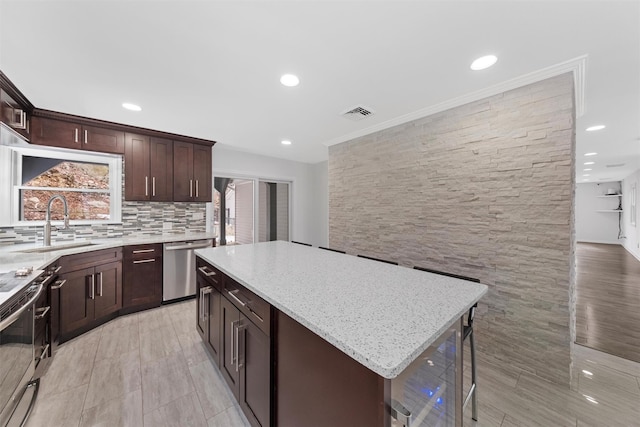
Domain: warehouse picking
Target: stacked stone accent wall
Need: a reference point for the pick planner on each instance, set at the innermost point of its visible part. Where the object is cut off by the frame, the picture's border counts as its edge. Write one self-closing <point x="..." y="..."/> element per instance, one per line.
<point x="483" y="190"/>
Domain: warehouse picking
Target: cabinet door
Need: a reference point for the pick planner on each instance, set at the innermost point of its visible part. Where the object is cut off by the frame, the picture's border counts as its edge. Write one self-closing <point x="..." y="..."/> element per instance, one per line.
<point x="230" y="319"/>
<point x="108" y="289"/>
<point x="255" y="373"/>
<point x="202" y="173"/>
<point x="202" y="324"/>
<point x="182" y="172"/>
<point x="13" y="115"/>
<point x="214" y="324"/>
<point x="76" y="306"/>
<point x="142" y="281"/>
<point x="136" y="167"/>
<point x="161" y="170"/>
<point x="55" y="133"/>
<point x="103" y="140"/>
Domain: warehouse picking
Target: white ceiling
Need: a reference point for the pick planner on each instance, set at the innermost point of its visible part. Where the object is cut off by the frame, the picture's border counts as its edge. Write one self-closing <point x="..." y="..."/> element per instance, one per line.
<point x="211" y="69"/>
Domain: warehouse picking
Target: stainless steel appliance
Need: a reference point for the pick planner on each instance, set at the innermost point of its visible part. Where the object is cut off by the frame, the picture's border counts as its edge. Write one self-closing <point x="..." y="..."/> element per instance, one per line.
<point x="179" y="268"/>
<point x="17" y="365"/>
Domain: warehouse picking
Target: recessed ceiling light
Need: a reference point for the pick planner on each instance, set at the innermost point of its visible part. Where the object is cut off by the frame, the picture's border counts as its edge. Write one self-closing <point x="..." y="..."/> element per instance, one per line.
<point x="591" y="154"/>
<point x="289" y="80"/>
<point x="132" y="107"/>
<point x="483" y="62"/>
<point x="285" y="142"/>
<point x="597" y="127"/>
<point x="589" y="163"/>
<point x="586" y="174"/>
<point x="586" y="170"/>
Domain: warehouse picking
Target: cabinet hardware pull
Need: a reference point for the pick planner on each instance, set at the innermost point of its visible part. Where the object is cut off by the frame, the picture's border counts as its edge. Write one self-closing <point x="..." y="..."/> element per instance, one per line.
<point x="200" y="306"/>
<point x="86" y="136"/>
<point x="205" y="306"/>
<point x="143" y="251"/>
<point x="76" y="137"/>
<point x="41" y="312"/>
<point x="146" y="185"/>
<point x="92" y="290"/>
<point x="59" y="284"/>
<point x="190" y="188"/>
<point x="203" y="270"/>
<point x="24" y="120"/>
<point x="233" y="346"/>
<point x="100" y="288"/>
<point x="57" y="269"/>
<point x="44" y="353"/>
<point x="197" y="192"/>
<point x="257" y="315"/>
<point x="236" y="340"/>
<point x="153" y="186"/>
<point x="144" y="261"/>
<point x="232" y="294"/>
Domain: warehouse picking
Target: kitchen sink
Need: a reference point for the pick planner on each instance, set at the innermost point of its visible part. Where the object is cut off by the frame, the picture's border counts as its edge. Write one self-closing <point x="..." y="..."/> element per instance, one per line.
<point x="58" y="247"/>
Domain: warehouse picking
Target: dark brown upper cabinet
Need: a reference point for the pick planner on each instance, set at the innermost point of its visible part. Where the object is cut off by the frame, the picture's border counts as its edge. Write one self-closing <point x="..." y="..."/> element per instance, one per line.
<point x="13" y="114"/>
<point x="191" y="172"/>
<point x="59" y="133"/>
<point x="148" y="164"/>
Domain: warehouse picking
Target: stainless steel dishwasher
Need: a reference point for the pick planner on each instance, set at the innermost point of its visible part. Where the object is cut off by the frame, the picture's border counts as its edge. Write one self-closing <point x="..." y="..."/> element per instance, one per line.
<point x="179" y="268"/>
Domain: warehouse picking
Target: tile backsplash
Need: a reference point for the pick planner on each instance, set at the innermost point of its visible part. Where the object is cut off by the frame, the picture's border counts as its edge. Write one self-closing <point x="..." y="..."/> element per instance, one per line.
<point x="138" y="219"/>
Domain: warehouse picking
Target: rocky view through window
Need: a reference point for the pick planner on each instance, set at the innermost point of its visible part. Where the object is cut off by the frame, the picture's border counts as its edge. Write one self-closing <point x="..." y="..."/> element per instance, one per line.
<point x="84" y="185"/>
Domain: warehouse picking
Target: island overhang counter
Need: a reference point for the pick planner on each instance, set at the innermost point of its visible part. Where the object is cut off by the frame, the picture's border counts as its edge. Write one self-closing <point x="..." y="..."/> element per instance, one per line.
<point x="346" y="336"/>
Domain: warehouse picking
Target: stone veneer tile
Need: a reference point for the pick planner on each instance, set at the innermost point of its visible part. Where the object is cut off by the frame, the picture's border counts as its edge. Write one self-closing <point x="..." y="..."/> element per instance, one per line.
<point x="484" y="190"/>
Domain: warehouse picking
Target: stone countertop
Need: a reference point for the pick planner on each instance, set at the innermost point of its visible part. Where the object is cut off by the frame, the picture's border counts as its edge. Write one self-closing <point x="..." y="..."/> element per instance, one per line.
<point x="12" y="257"/>
<point x="381" y="315"/>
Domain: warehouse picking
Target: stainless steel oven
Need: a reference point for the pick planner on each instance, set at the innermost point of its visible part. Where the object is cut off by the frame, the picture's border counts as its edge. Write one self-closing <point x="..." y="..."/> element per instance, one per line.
<point x="17" y="390"/>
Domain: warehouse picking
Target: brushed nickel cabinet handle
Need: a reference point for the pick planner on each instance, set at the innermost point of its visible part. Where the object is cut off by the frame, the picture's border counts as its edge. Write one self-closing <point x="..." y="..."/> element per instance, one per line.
<point x="232" y="346"/>
<point x="41" y="312"/>
<point x="200" y="306"/>
<point x="143" y="251"/>
<point x="146" y="185"/>
<point x="44" y="353"/>
<point x="236" y="340"/>
<point x="190" y="188"/>
<point x="86" y="136"/>
<point x="153" y="186"/>
<point x="100" y="283"/>
<point x="57" y="269"/>
<point x="144" y="261"/>
<point x="58" y="284"/>
<point x="232" y="294"/>
<point x="92" y="290"/>
<point x="257" y="315"/>
<point x="203" y="270"/>
<point x="76" y="137"/>
<point x="197" y="191"/>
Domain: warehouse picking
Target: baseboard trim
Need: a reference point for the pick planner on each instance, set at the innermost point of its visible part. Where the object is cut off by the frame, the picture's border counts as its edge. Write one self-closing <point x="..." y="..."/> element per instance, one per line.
<point x="635" y="255"/>
<point x="601" y="242"/>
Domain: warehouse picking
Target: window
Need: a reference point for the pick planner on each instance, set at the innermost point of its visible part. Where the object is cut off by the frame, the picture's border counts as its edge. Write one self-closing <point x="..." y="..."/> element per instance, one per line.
<point x="91" y="184"/>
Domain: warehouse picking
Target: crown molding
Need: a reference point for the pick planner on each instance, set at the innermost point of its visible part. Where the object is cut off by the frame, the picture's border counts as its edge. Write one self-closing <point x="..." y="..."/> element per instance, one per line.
<point x="576" y="66"/>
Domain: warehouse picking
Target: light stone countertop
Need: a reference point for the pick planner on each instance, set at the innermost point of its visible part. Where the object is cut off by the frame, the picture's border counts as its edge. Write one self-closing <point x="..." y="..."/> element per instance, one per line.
<point x="11" y="257"/>
<point x="381" y="315"/>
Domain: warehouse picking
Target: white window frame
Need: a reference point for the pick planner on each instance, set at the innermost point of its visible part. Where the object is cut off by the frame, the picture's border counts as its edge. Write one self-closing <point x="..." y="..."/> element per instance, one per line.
<point x="11" y="161"/>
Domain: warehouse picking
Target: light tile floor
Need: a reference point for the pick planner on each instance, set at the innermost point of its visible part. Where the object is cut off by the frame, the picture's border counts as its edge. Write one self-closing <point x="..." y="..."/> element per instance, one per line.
<point x="150" y="369"/>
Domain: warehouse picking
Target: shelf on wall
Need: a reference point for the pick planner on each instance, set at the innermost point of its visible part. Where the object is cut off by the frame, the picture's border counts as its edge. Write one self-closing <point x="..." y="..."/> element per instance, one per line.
<point x="611" y="195"/>
<point x="610" y="210"/>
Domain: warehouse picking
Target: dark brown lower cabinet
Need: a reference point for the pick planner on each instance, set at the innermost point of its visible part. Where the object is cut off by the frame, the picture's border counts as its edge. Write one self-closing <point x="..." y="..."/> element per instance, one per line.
<point x="142" y="277"/>
<point x="208" y="312"/>
<point x="87" y="295"/>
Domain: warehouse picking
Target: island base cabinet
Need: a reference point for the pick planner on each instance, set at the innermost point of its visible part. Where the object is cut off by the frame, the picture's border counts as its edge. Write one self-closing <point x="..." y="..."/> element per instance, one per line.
<point x="318" y="385"/>
<point x="255" y="373"/>
<point x="229" y="319"/>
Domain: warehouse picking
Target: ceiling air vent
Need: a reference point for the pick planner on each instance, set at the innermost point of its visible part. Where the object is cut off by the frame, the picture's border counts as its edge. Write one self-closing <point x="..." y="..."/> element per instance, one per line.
<point x="357" y="113"/>
<point x="617" y="165"/>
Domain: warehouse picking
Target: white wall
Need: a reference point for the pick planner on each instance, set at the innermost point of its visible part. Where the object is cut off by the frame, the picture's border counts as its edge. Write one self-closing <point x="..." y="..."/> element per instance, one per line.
<point x="632" y="233"/>
<point x="593" y="226"/>
<point x="309" y="210"/>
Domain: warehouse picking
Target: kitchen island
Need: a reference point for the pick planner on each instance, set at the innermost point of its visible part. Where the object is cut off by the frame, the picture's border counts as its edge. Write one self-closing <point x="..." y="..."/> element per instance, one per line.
<point x="346" y="336"/>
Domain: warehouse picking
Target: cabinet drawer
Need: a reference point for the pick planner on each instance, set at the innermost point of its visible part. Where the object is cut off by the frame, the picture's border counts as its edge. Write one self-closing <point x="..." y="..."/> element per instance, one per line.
<point x="210" y="274"/>
<point x="89" y="259"/>
<point x="254" y="307"/>
<point x="138" y="252"/>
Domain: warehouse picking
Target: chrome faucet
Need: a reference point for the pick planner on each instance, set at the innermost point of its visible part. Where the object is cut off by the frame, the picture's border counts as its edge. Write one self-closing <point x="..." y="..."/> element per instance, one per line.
<point x="47" y="224"/>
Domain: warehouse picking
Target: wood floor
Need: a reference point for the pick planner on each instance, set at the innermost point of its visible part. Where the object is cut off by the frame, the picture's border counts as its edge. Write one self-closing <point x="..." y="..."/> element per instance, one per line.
<point x="608" y="300"/>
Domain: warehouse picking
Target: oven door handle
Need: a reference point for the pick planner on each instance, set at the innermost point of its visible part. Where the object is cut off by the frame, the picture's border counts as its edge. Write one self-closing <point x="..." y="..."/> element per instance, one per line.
<point x="14" y="316"/>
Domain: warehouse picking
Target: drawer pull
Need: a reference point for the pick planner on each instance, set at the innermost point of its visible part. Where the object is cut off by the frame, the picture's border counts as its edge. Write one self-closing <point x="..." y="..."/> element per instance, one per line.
<point x="143" y="251"/>
<point x="232" y="294"/>
<point x="143" y="261"/>
<point x="57" y="269"/>
<point x="45" y="352"/>
<point x="41" y="312"/>
<point x="257" y="315"/>
<point x="59" y="284"/>
<point x="204" y="271"/>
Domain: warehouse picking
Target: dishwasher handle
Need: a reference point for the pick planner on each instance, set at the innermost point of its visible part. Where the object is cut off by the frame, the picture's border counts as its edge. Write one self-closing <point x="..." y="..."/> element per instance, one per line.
<point x="188" y="246"/>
